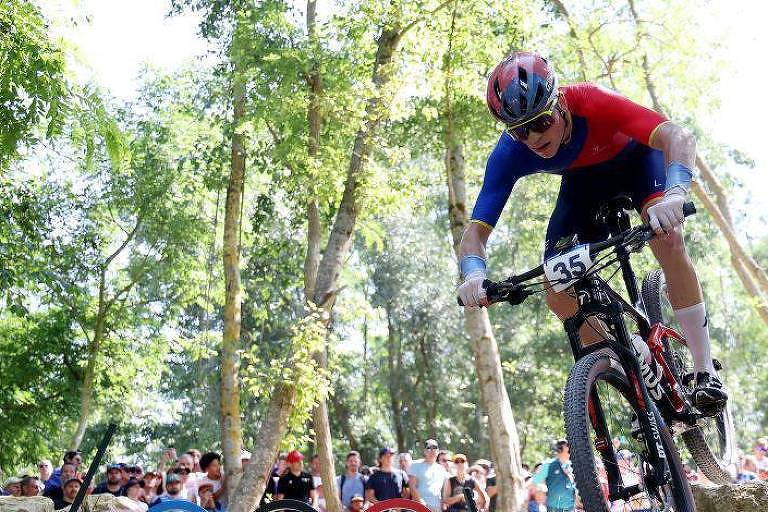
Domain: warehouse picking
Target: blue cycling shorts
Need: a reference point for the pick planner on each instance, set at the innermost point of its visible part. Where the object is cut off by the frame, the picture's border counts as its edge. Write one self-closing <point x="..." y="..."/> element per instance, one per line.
<point x="638" y="172"/>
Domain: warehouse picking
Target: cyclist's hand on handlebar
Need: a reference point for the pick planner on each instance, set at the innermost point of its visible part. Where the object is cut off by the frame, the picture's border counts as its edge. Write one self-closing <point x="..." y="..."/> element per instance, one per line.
<point x="667" y="214"/>
<point x="471" y="291"/>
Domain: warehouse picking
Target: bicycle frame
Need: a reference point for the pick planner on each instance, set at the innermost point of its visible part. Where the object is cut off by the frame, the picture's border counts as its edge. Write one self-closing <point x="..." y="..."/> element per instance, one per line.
<point x="596" y="298"/>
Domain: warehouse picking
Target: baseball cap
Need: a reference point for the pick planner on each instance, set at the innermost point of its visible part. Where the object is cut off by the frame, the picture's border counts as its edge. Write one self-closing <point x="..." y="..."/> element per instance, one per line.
<point x="294" y="456"/>
<point x="430" y="443"/>
<point x="112" y="467"/>
<point x="459" y="457"/>
<point x="172" y="477"/>
<point x="386" y="450"/>
<point x="12" y="480"/>
<point x="357" y="497"/>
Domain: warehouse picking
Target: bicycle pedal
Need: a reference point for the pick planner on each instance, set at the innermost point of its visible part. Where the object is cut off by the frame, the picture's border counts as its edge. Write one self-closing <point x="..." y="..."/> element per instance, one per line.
<point x="688" y="379"/>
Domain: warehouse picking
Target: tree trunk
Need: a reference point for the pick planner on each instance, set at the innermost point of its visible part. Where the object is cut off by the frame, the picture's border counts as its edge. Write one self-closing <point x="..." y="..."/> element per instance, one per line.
<point x="752" y="276"/>
<point x="254" y="480"/>
<point x="231" y="434"/>
<point x="503" y="431"/>
<point x="86" y="390"/>
<point x="394" y="367"/>
<point x="343" y="415"/>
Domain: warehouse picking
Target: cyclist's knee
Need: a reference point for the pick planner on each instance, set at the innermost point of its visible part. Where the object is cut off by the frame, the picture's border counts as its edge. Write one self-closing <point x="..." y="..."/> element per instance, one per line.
<point x="561" y="304"/>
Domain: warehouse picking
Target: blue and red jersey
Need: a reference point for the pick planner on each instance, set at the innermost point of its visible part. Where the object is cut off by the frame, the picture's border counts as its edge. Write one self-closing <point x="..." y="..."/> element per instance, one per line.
<point x="604" y="125"/>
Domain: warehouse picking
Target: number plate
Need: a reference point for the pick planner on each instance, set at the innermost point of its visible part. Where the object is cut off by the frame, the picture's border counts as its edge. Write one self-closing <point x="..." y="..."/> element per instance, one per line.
<point x="565" y="269"/>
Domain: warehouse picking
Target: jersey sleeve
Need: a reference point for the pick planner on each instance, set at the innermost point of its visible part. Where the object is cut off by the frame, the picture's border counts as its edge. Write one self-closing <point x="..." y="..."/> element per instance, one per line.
<point x="498" y="182"/>
<point x="630" y="118"/>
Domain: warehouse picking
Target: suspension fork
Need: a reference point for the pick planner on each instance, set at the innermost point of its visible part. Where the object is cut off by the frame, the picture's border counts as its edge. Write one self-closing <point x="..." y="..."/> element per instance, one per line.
<point x="639" y="396"/>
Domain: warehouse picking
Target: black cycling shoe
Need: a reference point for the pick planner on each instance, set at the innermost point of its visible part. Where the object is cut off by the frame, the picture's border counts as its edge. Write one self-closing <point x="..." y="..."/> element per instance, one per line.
<point x="709" y="396"/>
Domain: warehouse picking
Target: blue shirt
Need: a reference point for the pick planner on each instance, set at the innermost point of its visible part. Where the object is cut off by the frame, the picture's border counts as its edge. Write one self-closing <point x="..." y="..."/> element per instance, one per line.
<point x="561" y="489"/>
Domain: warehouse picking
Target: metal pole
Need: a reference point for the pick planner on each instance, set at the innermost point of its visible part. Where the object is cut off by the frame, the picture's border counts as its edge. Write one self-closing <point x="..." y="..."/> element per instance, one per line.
<point x="111" y="428"/>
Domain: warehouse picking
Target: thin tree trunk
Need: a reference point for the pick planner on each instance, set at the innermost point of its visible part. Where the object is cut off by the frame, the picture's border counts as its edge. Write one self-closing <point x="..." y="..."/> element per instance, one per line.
<point x="503" y="431"/>
<point x="394" y="383"/>
<point x="231" y="434"/>
<point x="86" y="390"/>
<point x="343" y="415"/>
<point x="752" y="276"/>
<point x="254" y="480"/>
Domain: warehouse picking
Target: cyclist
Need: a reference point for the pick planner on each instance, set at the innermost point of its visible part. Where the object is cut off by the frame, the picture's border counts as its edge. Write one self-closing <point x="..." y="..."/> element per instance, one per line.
<point x="603" y="145"/>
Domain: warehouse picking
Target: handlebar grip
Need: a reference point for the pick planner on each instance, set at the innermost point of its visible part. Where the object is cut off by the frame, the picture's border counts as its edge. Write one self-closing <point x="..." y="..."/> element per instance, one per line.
<point x="689" y="208"/>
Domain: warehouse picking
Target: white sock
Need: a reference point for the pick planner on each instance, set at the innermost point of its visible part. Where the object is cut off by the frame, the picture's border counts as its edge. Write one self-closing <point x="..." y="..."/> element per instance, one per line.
<point x="693" y="321"/>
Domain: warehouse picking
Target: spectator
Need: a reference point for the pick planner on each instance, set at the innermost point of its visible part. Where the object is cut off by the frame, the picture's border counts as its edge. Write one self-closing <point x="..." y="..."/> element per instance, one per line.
<point x="404" y="462"/>
<point x="189" y="482"/>
<point x="71" y="457"/>
<point x="124" y="474"/>
<point x="113" y="483"/>
<point x="387" y="482"/>
<point x="196" y="454"/>
<point x="132" y="489"/>
<point x="453" y="489"/>
<point x="31" y="486"/>
<point x="55" y="492"/>
<point x="356" y="503"/>
<point x="277" y="471"/>
<point x="69" y="491"/>
<point x="442" y="459"/>
<point x="761" y="458"/>
<point x="426" y="478"/>
<point x="173" y="488"/>
<point x="351" y="482"/>
<point x="153" y="486"/>
<point x="557" y="473"/>
<point x="314" y="468"/>
<point x="296" y="484"/>
<point x="12" y="486"/>
<point x="135" y="472"/>
<point x="210" y="463"/>
<point x="490" y="482"/>
<point x="206" y="495"/>
<point x="539" y="501"/>
<point x="45" y="468"/>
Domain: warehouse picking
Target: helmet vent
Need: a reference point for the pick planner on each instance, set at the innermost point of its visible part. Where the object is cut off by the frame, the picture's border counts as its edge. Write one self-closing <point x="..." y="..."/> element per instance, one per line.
<point x="497" y="88"/>
<point x="539" y="94"/>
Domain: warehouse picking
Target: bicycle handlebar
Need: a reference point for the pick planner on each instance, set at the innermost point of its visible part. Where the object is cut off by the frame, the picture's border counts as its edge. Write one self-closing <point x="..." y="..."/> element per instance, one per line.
<point x="515" y="294"/>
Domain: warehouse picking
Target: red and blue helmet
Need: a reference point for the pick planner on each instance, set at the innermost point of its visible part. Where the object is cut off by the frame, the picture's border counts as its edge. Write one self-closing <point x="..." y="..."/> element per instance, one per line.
<point x="520" y="87"/>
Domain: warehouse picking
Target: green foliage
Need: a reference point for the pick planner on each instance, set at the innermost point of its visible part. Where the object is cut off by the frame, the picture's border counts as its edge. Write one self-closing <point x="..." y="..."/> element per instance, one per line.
<point x="33" y="89"/>
<point x="40" y="370"/>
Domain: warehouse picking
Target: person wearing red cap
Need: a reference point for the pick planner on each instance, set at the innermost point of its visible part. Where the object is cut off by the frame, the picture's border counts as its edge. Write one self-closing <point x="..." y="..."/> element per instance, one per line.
<point x="296" y="484"/>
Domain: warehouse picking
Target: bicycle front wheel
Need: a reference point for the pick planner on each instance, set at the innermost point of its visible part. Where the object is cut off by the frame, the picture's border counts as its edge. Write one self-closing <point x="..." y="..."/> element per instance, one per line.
<point x="598" y="410"/>
<point x="712" y="441"/>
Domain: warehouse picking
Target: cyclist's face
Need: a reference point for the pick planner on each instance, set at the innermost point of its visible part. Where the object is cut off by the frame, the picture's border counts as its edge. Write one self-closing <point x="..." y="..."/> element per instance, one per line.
<point x="547" y="143"/>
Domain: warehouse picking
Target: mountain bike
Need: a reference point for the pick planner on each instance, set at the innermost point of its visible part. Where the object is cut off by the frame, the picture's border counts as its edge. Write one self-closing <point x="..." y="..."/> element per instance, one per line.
<point x="632" y="389"/>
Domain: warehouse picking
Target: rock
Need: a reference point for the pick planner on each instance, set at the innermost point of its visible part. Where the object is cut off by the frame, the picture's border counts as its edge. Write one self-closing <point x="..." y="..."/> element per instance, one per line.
<point x="745" y="497"/>
<point x="36" y="504"/>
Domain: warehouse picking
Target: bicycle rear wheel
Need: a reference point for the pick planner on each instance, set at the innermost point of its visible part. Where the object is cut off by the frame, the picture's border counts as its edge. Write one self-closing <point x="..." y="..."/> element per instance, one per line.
<point x="712" y="442"/>
<point x="598" y="387"/>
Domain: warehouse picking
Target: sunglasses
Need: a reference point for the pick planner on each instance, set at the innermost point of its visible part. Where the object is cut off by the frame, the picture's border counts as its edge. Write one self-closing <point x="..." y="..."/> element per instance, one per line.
<point x="542" y="122"/>
<point x="431" y="447"/>
<point x="182" y="471"/>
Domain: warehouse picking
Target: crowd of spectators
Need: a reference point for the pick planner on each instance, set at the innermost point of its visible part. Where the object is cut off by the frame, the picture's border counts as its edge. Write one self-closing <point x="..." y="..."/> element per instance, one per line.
<point x="439" y="479"/>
